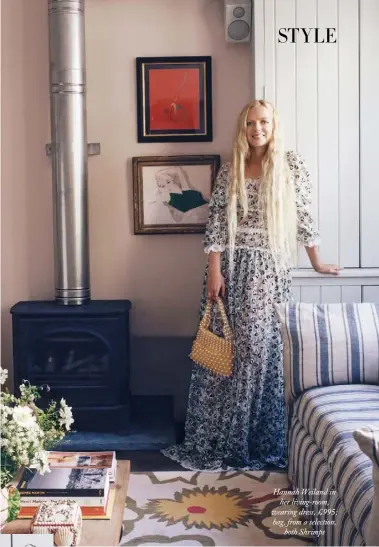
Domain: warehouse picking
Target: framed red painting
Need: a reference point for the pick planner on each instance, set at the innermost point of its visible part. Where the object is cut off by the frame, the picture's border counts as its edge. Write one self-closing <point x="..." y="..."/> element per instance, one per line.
<point x="174" y="99"/>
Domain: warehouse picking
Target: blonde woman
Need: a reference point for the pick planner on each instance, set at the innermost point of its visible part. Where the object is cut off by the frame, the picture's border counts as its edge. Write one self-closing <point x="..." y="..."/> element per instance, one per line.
<point x="259" y="212"/>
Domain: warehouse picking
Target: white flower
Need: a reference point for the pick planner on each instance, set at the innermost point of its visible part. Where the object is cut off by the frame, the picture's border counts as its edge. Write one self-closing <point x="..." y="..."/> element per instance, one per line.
<point x="41" y="462"/>
<point x="22" y="439"/>
<point x="23" y="416"/>
<point x="65" y="415"/>
<point x="3" y="375"/>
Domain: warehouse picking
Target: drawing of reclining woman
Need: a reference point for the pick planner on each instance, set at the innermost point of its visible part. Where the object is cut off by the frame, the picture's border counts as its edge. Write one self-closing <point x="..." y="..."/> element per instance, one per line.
<point x="176" y="199"/>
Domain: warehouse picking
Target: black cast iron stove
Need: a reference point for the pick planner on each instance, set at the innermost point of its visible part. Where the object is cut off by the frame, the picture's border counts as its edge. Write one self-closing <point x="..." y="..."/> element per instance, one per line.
<point x="81" y="353"/>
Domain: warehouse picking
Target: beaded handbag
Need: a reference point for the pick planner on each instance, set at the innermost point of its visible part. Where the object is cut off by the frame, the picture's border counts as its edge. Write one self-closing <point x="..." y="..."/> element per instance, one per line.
<point x="211" y="351"/>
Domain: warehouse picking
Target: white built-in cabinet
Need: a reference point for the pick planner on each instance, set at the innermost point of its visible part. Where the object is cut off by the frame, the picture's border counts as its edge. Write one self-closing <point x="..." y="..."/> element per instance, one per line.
<point x="351" y="286"/>
<point x="327" y="96"/>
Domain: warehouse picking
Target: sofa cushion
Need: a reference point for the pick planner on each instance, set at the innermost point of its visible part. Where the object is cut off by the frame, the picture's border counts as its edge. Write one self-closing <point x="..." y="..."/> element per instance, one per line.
<point x="368" y="441"/>
<point x="311" y="476"/>
<point x="328" y="344"/>
<point x="352" y="476"/>
<point x="330" y="415"/>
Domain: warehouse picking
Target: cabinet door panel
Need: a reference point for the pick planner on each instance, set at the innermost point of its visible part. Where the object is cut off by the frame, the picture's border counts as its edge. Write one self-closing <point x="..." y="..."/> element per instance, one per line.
<point x="371" y="294"/>
<point x="316" y="88"/>
<point x="369" y="85"/>
<point x="351" y="294"/>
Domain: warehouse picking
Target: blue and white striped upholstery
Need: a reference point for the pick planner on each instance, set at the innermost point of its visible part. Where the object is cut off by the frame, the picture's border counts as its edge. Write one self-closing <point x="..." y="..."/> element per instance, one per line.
<point x="367" y="438"/>
<point x="331" y="414"/>
<point x="324" y="421"/>
<point x="308" y="470"/>
<point x="328" y="344"/>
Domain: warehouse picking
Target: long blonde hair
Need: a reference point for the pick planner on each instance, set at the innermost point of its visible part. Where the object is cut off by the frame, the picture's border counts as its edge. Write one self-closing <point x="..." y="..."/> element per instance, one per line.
<point x="276" y="190"/>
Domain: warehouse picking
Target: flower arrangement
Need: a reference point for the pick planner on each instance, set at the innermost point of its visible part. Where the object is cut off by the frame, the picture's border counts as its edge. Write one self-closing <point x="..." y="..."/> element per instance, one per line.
<point x="27" y="433"/>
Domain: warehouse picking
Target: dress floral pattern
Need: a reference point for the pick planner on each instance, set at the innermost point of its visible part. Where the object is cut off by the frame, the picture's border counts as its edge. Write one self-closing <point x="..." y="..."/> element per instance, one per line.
<point x="239" y="422"/>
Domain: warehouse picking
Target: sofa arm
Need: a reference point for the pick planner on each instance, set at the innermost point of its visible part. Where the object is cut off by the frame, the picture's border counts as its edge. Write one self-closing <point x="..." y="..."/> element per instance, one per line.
<point x="328" y="344"/>
<point x="368" y="441"/>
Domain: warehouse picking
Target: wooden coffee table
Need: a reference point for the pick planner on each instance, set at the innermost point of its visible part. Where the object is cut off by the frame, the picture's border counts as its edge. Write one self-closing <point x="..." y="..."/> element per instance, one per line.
<point x="94" y="532"/>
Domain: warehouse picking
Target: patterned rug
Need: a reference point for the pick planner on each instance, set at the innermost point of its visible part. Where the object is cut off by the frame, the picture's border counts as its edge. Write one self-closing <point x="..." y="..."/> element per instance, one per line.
<point x="188" y="508"/>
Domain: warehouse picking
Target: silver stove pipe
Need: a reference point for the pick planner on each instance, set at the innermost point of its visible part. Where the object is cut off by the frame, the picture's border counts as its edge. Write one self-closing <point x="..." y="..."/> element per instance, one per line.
<point x="69" y="150"/>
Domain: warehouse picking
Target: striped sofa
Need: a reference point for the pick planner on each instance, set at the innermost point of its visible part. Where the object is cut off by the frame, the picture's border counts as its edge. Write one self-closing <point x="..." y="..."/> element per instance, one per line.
<point x="331" y="372"/>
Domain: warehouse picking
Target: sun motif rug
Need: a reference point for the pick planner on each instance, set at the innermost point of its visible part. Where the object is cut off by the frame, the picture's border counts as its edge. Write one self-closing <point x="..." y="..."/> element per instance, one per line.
<point x="210" y="509"/>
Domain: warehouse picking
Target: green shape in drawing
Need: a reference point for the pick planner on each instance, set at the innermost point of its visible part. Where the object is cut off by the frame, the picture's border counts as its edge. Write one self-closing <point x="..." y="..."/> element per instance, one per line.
<point x="187" y="200"/>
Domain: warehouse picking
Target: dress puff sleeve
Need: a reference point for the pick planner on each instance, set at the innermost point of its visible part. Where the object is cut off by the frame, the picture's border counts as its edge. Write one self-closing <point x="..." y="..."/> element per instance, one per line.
<point x="216" y="232"/>
<point x="307" y="234"/>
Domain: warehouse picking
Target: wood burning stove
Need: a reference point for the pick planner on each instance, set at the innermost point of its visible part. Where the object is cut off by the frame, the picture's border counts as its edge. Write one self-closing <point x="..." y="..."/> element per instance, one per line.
<point x="81" y="353"/>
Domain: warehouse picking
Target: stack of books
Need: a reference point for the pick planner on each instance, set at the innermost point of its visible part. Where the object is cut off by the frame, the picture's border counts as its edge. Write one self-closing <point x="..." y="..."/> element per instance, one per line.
<point x="84" y="477"/>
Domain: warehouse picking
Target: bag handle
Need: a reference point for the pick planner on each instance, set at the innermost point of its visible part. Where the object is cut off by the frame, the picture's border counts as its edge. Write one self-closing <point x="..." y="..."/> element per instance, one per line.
<point x="206" y="320"/>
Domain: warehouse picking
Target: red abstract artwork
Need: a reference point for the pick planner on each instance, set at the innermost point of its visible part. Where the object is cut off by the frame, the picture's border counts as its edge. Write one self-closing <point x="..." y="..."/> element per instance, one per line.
<point x="174" y="97"/>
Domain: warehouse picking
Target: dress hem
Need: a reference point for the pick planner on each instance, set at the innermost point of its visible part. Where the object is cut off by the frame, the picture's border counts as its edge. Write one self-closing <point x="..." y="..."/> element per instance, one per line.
<point x="219" y="469"/>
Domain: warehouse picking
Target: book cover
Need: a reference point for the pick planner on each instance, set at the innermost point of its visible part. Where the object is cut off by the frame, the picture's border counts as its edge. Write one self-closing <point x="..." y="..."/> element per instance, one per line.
<point x="83" y="501"/>
<point x="67" y="481"/>
<point x="88" y="512"/>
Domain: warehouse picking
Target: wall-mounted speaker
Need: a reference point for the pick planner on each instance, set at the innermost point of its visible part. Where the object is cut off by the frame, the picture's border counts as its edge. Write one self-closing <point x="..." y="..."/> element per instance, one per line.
<point x="238" y="20"/>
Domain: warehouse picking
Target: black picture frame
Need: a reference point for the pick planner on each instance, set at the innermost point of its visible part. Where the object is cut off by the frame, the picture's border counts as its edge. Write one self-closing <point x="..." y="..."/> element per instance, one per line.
<point x="160" y="109"/>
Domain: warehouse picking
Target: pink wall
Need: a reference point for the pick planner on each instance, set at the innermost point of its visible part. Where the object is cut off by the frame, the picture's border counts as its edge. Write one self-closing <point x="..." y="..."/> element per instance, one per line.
<point x="26" y="210"/>
<point x="162" y="275"/>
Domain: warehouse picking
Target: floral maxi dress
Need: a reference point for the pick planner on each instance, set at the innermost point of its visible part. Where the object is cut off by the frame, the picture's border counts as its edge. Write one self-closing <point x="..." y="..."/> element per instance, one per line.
<point x="239" y="422"/>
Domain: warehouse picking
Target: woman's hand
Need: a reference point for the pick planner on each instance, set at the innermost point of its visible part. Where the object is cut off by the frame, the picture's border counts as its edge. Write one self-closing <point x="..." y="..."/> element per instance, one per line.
<point x="327" y="269"/>
<point x="216" y="284"/>
<point x="319" y="266"/>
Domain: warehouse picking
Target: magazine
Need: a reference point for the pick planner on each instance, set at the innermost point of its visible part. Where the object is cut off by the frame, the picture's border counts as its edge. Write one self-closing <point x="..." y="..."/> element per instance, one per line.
<point x="85" y="460"/>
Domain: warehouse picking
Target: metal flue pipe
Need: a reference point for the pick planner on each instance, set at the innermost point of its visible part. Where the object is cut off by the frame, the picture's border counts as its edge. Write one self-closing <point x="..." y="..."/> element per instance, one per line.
<point x="69" y="150"/>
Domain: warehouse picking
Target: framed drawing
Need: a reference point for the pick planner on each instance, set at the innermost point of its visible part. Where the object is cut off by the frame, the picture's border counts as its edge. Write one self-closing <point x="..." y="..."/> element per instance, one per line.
<point x="171" y="193"/>
<point x="174" y="99"/>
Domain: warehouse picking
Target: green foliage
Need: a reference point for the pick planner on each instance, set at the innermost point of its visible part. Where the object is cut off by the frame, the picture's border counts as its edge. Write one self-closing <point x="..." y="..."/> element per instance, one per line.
<point x="8" y="469"/>
<point x="14" y="503"/>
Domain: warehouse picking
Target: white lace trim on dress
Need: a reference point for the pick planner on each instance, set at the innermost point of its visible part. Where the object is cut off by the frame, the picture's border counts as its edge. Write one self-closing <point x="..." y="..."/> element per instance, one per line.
<point x="215" y="248"/>
<point x="316" y="242"/>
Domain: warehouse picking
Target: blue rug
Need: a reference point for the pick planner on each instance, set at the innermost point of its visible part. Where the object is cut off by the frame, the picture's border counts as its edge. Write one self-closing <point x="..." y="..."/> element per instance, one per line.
<point x="152" y="427"/>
